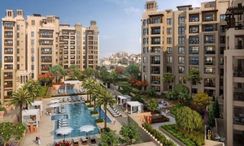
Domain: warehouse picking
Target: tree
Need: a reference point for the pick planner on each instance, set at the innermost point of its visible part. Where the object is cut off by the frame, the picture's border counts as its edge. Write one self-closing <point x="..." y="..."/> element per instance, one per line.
<point x="129" y="133"/>
<point x="33" y="88"/>
<point x="109" y="139"/>
<point x="74" y="72"/>
<point x="168" y="78"/>
<point x="88" y="84"/>
<point x="194" y="78"/>
<point x="45" y="79"/>
<point x="119" y="70"/>
<point x="216" y="111"/>
<point x="201" y="100"/>
<point x="104" y="99"/>
<point x="133" y="71"/>
<point x="153" y="105"/>
<point x="151" y="92"/>
<point x="211" y="117"/>
<point x="19" y="98"/>
<point x="58" y="72"/>
<point x="182" y="93"/>
<point x="88" y="72"/>
<point x="188" y="119"/>
<point x="9" y="130"/>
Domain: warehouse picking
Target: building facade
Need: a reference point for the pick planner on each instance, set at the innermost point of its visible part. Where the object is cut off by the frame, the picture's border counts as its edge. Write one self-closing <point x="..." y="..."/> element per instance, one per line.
<point x="234" y="75"/>
<point x="175" y="41"/>
<point x="33" y="44"/>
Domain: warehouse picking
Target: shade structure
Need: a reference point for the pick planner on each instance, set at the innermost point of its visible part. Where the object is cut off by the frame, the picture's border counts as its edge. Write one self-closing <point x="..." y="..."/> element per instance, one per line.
<point x="54" y="101"/>
<point x="54" y="105"/>
<point x="64" y="131"/>
<point x="87" y="128"/>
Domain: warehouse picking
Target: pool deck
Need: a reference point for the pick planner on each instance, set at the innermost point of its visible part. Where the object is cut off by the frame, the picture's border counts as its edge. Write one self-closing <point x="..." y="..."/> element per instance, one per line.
<point x="45" y="131"/>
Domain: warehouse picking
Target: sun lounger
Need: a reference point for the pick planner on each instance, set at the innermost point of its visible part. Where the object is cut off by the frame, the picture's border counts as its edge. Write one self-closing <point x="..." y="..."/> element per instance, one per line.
<point x="83" y="140"/>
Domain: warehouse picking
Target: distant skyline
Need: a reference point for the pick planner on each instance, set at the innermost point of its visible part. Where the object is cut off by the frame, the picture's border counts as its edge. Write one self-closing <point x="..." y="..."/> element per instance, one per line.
<point x="118" y="20"/>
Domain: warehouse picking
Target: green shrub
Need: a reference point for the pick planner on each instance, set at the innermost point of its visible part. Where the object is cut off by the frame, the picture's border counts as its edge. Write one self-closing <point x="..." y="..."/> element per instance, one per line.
<point x="99" y="120"/>
<point x="158" y="135"/>
<point x="94" y="112"/>
<point x="195" y="138"/>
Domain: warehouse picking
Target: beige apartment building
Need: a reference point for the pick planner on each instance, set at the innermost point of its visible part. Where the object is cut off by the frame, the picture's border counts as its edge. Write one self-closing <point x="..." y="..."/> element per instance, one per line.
<point x="234" y="75"/>
<point x="190" y="37"/>
<point x="32" y="44"/>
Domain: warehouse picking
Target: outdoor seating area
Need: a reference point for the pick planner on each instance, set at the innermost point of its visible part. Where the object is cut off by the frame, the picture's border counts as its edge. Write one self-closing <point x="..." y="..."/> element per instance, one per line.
<point x="92" y="140"/>
<point x="134" y="107"/>
<point x="122" y="99"/>
<point x="114" y="111"/>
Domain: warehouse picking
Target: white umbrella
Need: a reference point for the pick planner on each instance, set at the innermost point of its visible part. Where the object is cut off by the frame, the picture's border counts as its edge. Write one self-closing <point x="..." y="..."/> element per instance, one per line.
<point x="54" y="101"/>
<point x="64" y="131"/>
<point x="54" y="105"/>
<point x="87" y="128"/>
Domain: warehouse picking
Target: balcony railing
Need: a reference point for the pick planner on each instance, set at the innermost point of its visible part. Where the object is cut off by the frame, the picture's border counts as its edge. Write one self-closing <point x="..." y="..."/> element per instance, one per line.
<point x="239" y="96"/>
<point x="155" y="62"/>
<point x="155" y="72"/>
<point x="209" y="84"/>
<point x="208" y="63"/>
<point x="210" y="52"/>
<point x="239" y="46"/>
<point x="155" y="82"/>
<point x="238" y="72"/>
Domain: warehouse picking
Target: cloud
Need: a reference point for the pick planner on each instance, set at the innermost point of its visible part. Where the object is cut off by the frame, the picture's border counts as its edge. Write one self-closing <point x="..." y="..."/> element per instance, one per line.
<point x="132" y="10"/>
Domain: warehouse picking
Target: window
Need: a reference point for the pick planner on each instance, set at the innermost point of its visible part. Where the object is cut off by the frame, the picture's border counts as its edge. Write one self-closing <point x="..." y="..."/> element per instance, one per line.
<point x="169" y="59"/>
<point x="222" y="17"/>
<point x="209" y="60"/>
<point x="194" y="29"/>
<point x="155" y="59"/>
<point x="155" y="49"/>
<point x="193" y="60"/>
<point x="209" y="50"/>
<point x="155" y="40"/>
<point x="169" y="50"/>
<point x="181" y="30"/>
<point x="209" y="27"/>
<point x="193" y="39"/>
<point x="32" y="58"/>
<point x="169" y="31"/>
<point x="169" y="21"/>
<point x="208" y="17"/>
<point x="32" y="34"/>
<point x="32" y="67"/>
<point x="169" y="40"/>
<point x="181" y="59"/>
<point x="155" y="20"/>
<point x="209" y="70"/>
<point x="194" y="18"/>
<point x="181" y="40"/>
<point x="17" y="35"/>
<point x="17" y="27"/>
<point x="181" y="20"/>
<point x="17" y="43"/>
<point x="181" y="50"/>
<point x="155" y="30"/>
<point x="209" y="39"/>
<point x="32" y="22"/>
<point x="181" y="69"/>
<point x="32" y="42"/>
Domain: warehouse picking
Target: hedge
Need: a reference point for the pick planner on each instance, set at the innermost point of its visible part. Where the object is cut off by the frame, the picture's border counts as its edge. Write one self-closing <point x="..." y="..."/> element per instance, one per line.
<point x="160" y="137"/>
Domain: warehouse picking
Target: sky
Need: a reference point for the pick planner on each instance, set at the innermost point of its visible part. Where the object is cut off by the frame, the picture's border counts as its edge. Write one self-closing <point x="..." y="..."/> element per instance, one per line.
<point x="118" y="20"/>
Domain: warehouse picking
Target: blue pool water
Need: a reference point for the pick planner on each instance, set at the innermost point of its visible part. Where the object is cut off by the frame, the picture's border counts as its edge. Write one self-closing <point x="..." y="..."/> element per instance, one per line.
<point x="78" y="115"/>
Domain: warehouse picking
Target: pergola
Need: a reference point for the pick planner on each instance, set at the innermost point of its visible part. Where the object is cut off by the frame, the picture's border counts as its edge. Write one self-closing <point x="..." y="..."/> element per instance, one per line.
<point x="134" y="107"/>
<point x="31" y="117"/>
<point x="122" y="99"/>
<point x="36" y="105"/>
<point x="76" y="83"/>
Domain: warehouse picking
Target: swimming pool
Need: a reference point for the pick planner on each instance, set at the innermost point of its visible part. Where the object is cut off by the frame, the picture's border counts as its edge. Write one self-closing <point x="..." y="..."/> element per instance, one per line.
<point x="78" y="115"/>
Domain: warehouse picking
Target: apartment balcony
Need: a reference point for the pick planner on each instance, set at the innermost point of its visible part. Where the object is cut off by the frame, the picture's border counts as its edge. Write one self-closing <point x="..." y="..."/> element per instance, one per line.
<point x="8" y="60"/>
<point x="209" y="63"/>
<point x="8" y="36"/>
<point x="239" y="47"/>
<point x="8" y="84"/>
<point x="238" y="72"/>
<point x="210" y="52"/>
<point x="239" y="96"/>
<point x="232" y="13"/>
<point x="8" y="77"/>
<point x="46" y="52"/>
<point x="8" y="51"/>
<point x="155" y="82"/>
<point x="8" y="66"/>
<point x="155" y="62"/>
<point x="238" y="114"/>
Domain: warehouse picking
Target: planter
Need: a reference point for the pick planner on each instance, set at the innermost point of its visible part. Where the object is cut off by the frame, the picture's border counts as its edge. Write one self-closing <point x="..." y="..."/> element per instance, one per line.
<point x="1" y="114"/>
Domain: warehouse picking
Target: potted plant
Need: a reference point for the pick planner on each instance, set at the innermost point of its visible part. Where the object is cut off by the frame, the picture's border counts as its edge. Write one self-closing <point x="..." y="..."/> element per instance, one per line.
<point x="2" y="110"/>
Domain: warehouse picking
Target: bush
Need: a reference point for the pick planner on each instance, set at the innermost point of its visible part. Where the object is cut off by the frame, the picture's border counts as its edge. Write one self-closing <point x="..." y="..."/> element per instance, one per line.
<point x="99" y="120"/>
<point x="193" y="138"/>
<point x="94" y="112"/>
<point x="158" y="135"/>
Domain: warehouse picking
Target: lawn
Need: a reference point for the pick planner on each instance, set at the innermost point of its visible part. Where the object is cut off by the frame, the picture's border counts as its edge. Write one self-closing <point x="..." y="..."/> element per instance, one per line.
<point x="193" y="139"/>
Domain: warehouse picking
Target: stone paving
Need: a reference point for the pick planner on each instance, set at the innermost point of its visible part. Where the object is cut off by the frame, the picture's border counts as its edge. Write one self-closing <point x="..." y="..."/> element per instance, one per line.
<point x="45" y="131"/>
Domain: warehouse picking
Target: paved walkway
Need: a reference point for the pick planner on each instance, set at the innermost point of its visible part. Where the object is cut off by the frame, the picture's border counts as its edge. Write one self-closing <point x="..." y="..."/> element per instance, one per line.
<point x="45" y="131"/>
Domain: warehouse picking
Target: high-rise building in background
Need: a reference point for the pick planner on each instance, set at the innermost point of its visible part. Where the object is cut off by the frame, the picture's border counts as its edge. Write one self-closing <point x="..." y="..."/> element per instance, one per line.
<point x="234" y="75"/>
<point x="175" y="41"/>
<point x="30" y="46"/>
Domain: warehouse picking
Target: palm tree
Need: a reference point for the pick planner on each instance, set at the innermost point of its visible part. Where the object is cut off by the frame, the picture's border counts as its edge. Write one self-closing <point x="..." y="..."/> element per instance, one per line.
<point x="58" y="71"/>
<point x="88" y="84"/>
<point x="168" y="78"/>
<point x="194" y="78"/>
<point x="104" y="98"/>
<point x="33" y="87"/>
<point x="19" y="98"/>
